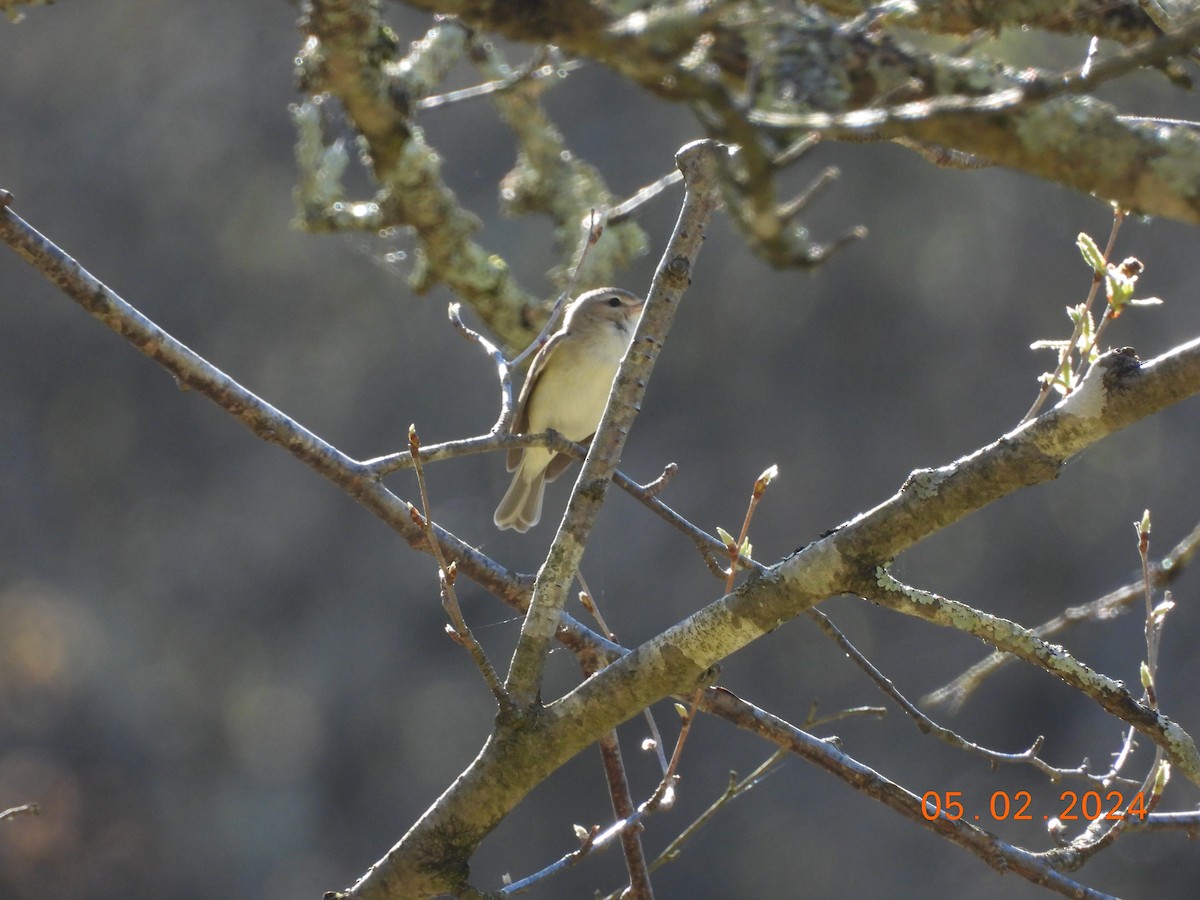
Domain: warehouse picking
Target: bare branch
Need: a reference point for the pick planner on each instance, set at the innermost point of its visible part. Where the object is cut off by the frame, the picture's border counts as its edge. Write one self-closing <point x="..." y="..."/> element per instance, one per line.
<point x="998" y="854"/>
<point x="503" y="373"/>
<point x="1028" y="756"/>
<point x="1113" y="604"/>
<point x="698" y="162"/>
<point x="264" y="420"/>
<point x="1110" y="694"/>
<point x="446" y="576"/>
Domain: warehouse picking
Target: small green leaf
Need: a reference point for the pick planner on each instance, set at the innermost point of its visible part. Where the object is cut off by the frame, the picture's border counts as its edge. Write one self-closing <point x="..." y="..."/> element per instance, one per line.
<point x="726" y="538"/>
<point x="1161" y="777"/>
<point x="1091" y="253"/>
<point x="746" y="550"/>
<point x="1120" y="291"/>
<point x="1087" y="329"/>
<point x="1160" y="612"/>
<point x="1063" y="380"/>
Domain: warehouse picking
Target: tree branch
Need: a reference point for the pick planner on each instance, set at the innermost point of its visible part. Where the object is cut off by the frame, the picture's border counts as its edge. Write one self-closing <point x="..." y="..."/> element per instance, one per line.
<point x="264" y="420"/>
<point x="807" y="71"/>
<point x="1163" y="573"/>
<point x="1116" y="20"/>
<point x="1109" y="693"/>
<point x="1116" y="392"/>
<point x="1000" y="855"/>
<point x="698" y="162"/>
<point x="345" y="47"/>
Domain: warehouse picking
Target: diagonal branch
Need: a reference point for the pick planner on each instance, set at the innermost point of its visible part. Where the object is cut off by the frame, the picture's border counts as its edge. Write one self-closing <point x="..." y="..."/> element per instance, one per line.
<point x="698" y="162"/>
<point x="1112" y="695"/>
<point x="264" y="420"/>
<point x="1001" y="855"/>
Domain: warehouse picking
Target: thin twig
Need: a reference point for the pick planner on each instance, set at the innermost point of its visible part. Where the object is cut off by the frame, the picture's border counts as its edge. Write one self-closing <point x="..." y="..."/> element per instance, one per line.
<point x="640" y="887"/>
<point x="736" y="548"/>
<point x="590" y="239"/>
<point x="503" y="370"/>
<point x="1028" y="756"/>
<point x="588" y="600"/>
<point x="655" y="740"/>
<point x="626" y="207"/>
<point x="797" y="204"/>
<point x="1111" y="605"/>
<point x="735" y="789"/>
<point x="25" y="809"/>
<point x="535" y="70"/>
<point x="592" y="233"/>
<point x="447" y="572"/>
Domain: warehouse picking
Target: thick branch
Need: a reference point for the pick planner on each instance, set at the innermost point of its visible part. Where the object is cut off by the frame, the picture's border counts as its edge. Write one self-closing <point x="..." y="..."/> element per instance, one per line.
<point x="1007" y="118"/>
<point x="809" y="71"/>
<point x="1163" y="573"/>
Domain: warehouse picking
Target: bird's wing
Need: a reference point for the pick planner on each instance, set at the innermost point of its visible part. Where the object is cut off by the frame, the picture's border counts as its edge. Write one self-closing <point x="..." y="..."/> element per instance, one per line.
<point x="520" y="421"/>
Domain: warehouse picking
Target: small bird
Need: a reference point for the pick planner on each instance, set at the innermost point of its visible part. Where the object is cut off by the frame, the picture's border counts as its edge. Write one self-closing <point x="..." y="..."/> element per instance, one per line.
<point x="566" y="389"/>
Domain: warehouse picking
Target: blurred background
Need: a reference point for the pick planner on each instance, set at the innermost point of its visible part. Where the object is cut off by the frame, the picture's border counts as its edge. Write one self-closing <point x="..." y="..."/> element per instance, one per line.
<point x="220" y="677"/>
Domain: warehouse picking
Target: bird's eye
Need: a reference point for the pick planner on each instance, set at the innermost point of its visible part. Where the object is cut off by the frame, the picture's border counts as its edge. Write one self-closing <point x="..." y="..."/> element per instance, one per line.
<point x="614" y="301"/>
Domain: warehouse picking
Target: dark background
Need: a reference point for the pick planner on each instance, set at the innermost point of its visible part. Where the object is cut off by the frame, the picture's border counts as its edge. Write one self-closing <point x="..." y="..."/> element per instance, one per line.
<point x="220" y="677"/>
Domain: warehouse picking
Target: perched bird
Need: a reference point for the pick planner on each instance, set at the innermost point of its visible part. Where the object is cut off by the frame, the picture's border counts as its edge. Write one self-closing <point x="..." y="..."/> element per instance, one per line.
<point x="566" y="389"/>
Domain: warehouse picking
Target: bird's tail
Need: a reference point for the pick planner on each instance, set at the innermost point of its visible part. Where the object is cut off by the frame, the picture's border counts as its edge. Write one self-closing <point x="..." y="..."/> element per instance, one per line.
<point x="521" y="507"/>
